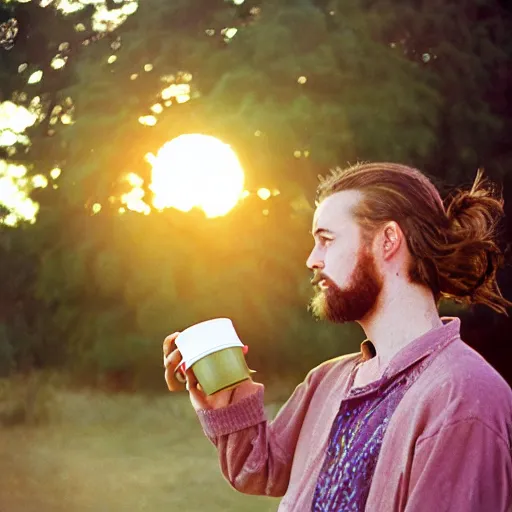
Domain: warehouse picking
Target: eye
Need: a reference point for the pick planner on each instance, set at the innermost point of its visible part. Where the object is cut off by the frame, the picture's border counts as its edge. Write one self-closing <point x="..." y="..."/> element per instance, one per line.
<point x="324" y="240"/>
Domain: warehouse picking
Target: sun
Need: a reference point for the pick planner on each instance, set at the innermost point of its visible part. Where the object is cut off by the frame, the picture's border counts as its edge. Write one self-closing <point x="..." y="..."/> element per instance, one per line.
<point x="195" y="170"/>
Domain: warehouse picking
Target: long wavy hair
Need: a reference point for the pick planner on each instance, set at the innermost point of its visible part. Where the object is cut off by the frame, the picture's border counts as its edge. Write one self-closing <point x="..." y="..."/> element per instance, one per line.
<point x="453" y="246"/>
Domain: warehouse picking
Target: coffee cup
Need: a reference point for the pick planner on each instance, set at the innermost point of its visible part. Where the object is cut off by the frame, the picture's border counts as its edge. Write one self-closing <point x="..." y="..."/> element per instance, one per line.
<point x="214" y="352"/>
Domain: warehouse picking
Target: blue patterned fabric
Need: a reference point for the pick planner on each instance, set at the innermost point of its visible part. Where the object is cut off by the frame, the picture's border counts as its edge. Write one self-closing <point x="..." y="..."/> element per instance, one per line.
<point x="354" y="445"/>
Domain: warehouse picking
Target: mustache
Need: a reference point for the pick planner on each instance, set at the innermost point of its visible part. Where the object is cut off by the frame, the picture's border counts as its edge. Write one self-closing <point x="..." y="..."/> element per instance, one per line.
<point x="317" y="277"/>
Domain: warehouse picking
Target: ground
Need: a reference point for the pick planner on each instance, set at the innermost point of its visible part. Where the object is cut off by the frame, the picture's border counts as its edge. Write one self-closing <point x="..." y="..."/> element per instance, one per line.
<point x="98" y="452"/>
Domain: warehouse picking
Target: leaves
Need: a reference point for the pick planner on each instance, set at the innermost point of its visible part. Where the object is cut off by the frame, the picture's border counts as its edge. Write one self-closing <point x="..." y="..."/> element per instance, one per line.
<point x="300" y="87"/>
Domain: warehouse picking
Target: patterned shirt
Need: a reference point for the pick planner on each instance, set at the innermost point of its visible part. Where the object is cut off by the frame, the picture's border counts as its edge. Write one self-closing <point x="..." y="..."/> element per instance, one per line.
<point x="355" y="441"/>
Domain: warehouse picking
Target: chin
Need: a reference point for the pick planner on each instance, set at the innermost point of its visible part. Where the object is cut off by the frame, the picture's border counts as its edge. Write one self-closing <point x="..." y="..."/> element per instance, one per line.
<point x="341" y="308"/>
<point x="316" y="307"/>
<point x="319" y="308"/>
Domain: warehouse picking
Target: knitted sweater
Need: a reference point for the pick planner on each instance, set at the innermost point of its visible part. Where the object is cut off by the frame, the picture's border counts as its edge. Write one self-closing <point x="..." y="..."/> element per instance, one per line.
<point x="446" y="446"/>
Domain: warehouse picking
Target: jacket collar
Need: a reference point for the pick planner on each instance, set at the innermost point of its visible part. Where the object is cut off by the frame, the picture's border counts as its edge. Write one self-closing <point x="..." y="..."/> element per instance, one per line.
<point x="432" y="341"/>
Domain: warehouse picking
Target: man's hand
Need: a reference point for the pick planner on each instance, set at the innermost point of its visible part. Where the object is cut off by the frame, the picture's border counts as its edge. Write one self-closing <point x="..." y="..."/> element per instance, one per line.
<point x="172" y="358"/>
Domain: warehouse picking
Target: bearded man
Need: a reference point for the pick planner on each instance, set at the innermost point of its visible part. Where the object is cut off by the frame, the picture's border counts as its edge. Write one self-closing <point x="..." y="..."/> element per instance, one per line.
<point x="416" y="421"/>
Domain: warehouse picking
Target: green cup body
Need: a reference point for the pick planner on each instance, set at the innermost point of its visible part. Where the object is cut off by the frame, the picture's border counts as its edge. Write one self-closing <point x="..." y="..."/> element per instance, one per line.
<point x="221" y="370"/>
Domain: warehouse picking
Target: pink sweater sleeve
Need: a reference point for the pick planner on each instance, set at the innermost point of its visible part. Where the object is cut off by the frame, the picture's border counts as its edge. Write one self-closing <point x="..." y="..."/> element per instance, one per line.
<point x="465" y="467"/>
<point x="256" y="455"/>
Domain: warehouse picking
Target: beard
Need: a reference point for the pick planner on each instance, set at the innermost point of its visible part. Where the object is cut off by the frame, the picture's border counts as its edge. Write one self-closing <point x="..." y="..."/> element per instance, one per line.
<point x="353" y="303"/>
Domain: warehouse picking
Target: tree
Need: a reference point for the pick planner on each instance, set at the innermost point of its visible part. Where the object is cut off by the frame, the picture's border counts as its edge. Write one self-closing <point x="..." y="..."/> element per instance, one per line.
<point x="296" y="87"/>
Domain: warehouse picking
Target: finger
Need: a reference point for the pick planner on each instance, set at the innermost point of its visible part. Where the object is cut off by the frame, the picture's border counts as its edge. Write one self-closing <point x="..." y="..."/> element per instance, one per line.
<point x="171" y="375"/>
<point x="171" y="362"/>
<point x="173" y="359"/>
<point x="191" y="380"/>
<point x="196" y="392"/>
<point x="168" y="344"/>
<point x="172" y="383"/>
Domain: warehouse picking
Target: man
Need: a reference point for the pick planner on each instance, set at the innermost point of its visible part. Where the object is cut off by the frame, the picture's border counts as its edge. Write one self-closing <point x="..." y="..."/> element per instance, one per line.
<point x="417" y="421"/>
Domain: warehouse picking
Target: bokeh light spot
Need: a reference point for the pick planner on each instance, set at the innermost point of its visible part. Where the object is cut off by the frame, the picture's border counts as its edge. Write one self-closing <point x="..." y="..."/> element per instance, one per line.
<point x="58" y="62"/>
<point x="157" y="108"/>
<point x="35" y="77"/>
<point x="66" y="119"/>
<point x="148" y="120"/>
<point x="55" y="172"/>
<point x="229" y="32"/>
<point x="264" y="193"/>
<point x="39" y="181"/>
<point x="176" y="91"/>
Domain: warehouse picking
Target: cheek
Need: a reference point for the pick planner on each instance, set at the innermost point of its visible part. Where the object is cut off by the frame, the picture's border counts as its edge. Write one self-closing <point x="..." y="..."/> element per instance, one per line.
<point x="340" y="263"/>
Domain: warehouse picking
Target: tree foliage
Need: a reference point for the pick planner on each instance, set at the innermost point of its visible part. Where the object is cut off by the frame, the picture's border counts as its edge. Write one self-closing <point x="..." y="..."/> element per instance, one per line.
<point x="301" y="86"/>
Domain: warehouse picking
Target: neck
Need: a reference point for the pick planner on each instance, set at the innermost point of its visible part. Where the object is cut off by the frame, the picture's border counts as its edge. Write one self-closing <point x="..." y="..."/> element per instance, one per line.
<point x="401" y="317"/>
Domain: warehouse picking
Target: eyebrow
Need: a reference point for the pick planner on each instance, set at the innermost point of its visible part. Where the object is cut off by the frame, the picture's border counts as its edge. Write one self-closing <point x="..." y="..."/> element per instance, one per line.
<point x="322" y="231"/>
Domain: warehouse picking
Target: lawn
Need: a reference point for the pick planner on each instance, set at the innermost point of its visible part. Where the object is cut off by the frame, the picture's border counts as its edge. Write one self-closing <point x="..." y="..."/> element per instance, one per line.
<point x="99" y="452"/>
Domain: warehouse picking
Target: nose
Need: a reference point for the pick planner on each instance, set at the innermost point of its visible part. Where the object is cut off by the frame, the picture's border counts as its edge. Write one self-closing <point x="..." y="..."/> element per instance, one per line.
<point x="315" y="260"/>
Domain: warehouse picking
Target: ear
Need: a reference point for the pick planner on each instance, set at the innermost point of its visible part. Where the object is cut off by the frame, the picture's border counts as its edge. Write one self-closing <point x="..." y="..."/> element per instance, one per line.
<point x="391" y="239"/>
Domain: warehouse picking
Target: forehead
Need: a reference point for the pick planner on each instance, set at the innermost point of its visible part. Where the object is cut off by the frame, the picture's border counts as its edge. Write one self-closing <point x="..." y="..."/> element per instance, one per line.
<point x="335" y="212"/>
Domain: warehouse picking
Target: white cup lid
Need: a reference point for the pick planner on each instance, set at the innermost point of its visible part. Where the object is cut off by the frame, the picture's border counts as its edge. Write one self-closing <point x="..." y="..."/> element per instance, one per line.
<point x="206" y="337"/>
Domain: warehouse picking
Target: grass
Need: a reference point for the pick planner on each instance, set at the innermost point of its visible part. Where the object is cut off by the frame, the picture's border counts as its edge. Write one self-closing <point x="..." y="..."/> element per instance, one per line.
<point x="97" y="452"/>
